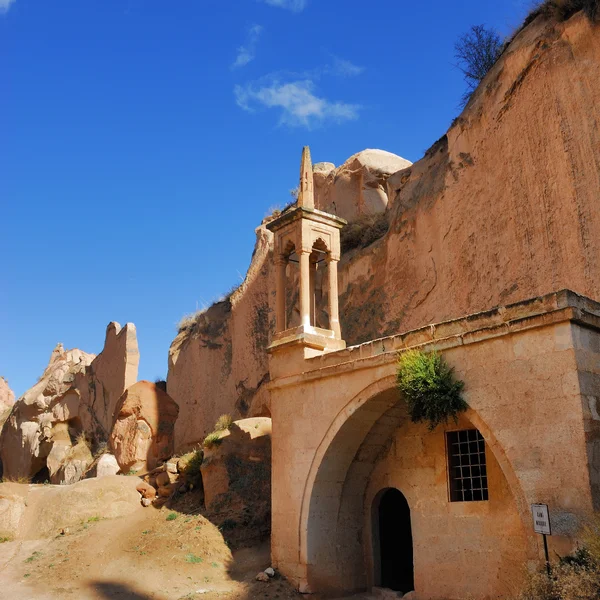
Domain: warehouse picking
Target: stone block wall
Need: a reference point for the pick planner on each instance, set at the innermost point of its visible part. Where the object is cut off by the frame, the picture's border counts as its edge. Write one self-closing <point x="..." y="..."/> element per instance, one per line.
<point x="481" y="544"/>
<point x="340" y="420"/>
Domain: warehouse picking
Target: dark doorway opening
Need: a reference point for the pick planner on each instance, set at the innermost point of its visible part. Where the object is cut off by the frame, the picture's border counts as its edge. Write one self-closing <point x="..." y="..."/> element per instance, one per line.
<point x="395" y="539"/>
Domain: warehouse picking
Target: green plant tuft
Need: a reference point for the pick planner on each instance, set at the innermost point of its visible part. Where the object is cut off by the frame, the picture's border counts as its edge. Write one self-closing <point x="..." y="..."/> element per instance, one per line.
<point x="35" y="556"/>
<point x="212" y="439"/>
<point x="195" y="462"/>
<point x="223" y="423"/>
<point x="192" y="558"/>
<point x="171" y="516"/>
<point x="431" y="391"/>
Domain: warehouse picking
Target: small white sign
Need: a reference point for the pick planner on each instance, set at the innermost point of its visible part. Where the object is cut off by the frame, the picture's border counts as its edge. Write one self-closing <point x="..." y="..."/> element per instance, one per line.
<point x="541" y="518"/>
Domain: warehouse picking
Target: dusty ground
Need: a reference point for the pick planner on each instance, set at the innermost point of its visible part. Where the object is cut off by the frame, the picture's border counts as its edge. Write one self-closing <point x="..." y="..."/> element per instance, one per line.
<point x="152" y="554"/>
<point x="168" y="553"/>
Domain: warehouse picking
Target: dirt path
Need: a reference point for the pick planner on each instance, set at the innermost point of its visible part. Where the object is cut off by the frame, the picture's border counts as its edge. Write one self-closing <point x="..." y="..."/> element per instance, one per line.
<point x="152" y="554"/>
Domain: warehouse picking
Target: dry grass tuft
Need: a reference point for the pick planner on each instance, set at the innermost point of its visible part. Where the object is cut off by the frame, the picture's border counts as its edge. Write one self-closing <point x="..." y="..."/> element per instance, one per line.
<point x="363" y="231"/>
<point x="82" y="440"/>
<point x="19" y="479"/>
<point x="188" y="321"/>
<point x="575" y="577"/>
<point x="561" y="10"/>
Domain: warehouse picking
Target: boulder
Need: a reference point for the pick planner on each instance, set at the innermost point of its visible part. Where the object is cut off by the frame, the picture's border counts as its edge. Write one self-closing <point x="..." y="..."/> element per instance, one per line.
<point x="107" y="465"/>
<point x="146" y="490"/>
<point x="163" y="479"/>
<point x="236" y="475"/>
<point x="166" y="491"/>
<point x="142" y="433"/>
<point x="74" y="466"/>
<point x="358" y="187"/>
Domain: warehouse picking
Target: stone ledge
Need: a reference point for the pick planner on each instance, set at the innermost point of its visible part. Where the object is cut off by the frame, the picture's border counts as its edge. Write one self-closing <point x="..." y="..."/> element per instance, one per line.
<point x="557" y="307"/>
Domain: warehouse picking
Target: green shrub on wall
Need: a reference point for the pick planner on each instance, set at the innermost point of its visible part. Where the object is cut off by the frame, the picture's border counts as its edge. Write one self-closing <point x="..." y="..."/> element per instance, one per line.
<point x="432" y="392"/>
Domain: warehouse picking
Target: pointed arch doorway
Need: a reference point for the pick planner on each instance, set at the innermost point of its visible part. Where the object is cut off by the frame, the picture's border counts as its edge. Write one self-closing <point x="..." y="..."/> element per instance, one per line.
<point x="393" y="542"/>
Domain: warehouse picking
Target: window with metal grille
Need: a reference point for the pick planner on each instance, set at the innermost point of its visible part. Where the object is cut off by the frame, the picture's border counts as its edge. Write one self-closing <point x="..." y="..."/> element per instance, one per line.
<point x="466" y="465"/>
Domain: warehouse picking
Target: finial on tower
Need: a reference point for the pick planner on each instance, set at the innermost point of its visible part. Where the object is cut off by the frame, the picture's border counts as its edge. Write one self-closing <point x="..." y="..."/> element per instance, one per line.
<point x="306" y="195"/>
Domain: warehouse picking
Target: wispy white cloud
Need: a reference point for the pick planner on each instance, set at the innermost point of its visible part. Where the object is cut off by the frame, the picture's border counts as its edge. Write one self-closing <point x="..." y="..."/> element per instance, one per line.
<point x="293" y="5"/>
<point x="337" y="67"/>
<point x="298" y="104"/>
<point x="5" y="5"/>
<point x="344" y="68"/>
<point x="247" y="52"/>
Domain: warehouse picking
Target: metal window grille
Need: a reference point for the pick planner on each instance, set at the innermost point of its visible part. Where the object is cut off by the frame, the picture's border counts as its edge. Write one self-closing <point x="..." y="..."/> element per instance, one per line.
<point x="467" y="468"/>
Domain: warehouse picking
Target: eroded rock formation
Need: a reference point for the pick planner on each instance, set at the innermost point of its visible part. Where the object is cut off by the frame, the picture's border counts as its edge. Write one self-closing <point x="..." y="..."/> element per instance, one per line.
<point x="55" y="427"/>
<point x="358" y="187"/>
<point x="504" y="207"/>
<point x="7" y="396"/>
<point x="142" y="433"/>
<point x="112" y="372"/>
<point x="27" y="436"/>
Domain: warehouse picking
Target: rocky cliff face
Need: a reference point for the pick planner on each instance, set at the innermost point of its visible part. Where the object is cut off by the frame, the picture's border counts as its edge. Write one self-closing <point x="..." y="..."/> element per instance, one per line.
<point x="54" y="427"/>
<point x="7" y="396"/>
<point x="358" y="187"/>
<point x="218" y="363"/>
<point x="142" y="433"/>
<point x="502" y="208"/>
<point x="27" y="437"/>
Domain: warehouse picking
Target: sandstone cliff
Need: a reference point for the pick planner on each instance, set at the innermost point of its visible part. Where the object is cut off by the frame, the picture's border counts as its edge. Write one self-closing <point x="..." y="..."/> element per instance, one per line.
<point x="502" y="208"/>
<point x="53" y="428"/>
<point x="7" y="396"/>
<point x="218" y="363"/>
<point x="358" y="187"/>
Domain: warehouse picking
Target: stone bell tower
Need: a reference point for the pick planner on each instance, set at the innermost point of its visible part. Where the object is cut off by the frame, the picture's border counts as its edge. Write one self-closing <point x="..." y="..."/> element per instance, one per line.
<point x="309" y="240"/>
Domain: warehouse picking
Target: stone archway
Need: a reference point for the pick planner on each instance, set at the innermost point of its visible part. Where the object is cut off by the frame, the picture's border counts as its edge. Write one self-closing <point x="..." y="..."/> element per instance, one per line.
<point x="336" y="544"/>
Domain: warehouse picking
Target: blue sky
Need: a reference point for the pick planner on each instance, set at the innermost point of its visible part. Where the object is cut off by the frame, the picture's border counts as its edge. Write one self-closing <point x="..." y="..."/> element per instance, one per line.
<point x="142" y="141"/>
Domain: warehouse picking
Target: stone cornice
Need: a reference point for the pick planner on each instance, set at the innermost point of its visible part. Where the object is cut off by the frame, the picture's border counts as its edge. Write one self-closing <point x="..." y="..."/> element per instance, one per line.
<point x="557" y="307"/>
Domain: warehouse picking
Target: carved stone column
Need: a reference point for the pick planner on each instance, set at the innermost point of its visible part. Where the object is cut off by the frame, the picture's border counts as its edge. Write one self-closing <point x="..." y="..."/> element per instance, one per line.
<point x="304" y="257"/>
<point x="281" y="264"/>
<point x="313" y="298"/>
<point x="334" y="314"/>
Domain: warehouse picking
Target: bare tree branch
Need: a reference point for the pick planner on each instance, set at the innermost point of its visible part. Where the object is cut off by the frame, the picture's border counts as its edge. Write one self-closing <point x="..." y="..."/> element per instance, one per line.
<point x="476" y="52"/>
